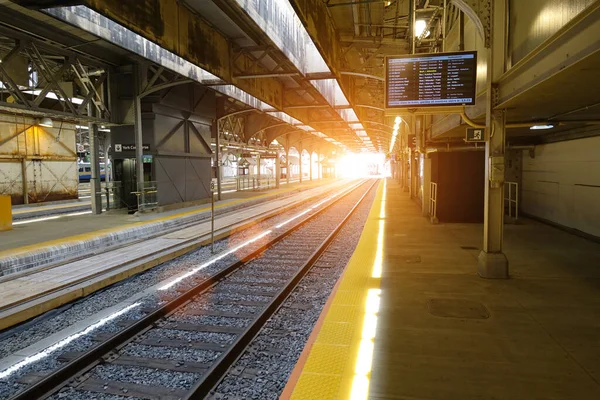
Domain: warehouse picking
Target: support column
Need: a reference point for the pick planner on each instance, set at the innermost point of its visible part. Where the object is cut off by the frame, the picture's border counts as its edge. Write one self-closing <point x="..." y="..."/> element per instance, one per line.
<point x="278" y="170"/>
<point x="139" y="139"/>
<point x="320" y="166"/>
<point x="405" y="157"/>
<point x="287" y="166"/>
<point x="96" y="195"/>
<point x="24" y="176"/>
<point x="426" y="186"/>
<point x="95" y="166"/>
<point x="492" y="261"/>
<point x="258" y="168"/>
<point x="300" y="162"/>
<point x="218" y="161"/>
<point x="310" y="173"/>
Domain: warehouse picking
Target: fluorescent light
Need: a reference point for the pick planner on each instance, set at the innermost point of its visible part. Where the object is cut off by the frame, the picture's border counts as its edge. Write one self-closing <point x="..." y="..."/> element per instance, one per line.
<point x="541" y="127"/>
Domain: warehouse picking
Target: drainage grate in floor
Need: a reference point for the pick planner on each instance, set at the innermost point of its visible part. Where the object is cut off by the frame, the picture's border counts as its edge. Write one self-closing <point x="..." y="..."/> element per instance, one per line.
<point x="457" y="308"/>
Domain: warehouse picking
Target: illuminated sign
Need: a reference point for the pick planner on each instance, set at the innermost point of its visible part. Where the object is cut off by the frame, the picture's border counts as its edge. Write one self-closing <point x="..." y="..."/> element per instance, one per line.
<point x="438" y="79"/>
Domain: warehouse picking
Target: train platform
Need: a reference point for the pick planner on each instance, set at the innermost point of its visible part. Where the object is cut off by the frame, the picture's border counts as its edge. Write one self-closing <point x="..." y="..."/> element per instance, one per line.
<point x="27" y="236"/>
<point x="57" y="261"/>
<point x="411" y="319"/>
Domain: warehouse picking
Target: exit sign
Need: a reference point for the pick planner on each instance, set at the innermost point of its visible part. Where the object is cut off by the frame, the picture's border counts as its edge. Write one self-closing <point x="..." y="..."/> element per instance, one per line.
<point x="475" y="135"/>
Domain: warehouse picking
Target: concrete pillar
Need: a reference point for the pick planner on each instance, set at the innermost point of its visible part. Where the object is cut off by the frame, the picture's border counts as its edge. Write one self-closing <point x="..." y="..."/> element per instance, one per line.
<point x="492" y="261"/>
<point x="310" y="173"/>
<point x="139" y="139"/>
<point x="95" y="166"/>
<point x="278" y="170"/>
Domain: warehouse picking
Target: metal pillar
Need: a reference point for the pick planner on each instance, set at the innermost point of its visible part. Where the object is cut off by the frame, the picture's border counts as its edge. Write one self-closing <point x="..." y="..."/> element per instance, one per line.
<point x="426" y="186"/>
<point x="413" y="25"/>
<point x="287" y="166"/>
<point x="310" y="171"/>
<point x="319" y="166"/>
<point x="24" y="176"/>
<point x="278" y="170"/>
<point x="413" y="166"/>
<point x="444" y="17"/>
<point x="139" y="139"/>
<point x="492" y="261"/>
<point x="95" y="189"/>
<point x="218" y="161"/>
<point x="300" y="162"/>
<point x="258" y="168"/>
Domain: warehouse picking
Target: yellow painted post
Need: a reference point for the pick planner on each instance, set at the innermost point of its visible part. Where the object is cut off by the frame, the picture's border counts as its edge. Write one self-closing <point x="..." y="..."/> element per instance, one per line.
<point x="5" y="214"/>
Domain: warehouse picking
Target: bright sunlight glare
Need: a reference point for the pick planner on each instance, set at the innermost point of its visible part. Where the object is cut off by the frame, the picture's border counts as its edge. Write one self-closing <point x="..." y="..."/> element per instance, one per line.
<point x="360" y="165"/>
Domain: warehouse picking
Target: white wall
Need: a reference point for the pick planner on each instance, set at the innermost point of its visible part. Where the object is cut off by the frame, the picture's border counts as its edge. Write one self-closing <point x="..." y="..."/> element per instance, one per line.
<point x="562" y="184"/>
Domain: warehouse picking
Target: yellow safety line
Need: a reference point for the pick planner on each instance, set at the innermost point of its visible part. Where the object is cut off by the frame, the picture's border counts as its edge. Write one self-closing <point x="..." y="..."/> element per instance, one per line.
<point x="91" y="235"/>
<point x="339" y="361"/>
<point x="18" y="211"/>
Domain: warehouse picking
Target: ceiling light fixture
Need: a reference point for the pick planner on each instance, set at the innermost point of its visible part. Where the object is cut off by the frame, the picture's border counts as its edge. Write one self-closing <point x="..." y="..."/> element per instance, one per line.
<point x="541" y="127"/>
<point x="420" y="26"/>
<point x="46" y="122"/>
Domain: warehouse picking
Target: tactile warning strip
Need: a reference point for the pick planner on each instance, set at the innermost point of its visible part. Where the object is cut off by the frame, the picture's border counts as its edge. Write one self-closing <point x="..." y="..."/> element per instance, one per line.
<point x="329" y="370"/>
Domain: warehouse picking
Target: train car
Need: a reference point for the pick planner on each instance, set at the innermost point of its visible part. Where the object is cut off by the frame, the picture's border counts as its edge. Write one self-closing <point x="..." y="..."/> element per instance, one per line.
<point x="85" y="171"/>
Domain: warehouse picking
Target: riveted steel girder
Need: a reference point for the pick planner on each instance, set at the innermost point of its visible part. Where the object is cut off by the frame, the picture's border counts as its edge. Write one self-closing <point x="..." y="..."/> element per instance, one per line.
<point x="174" y="27"/>
<point x="480" y="12"/>
<point x="320" y="26"/>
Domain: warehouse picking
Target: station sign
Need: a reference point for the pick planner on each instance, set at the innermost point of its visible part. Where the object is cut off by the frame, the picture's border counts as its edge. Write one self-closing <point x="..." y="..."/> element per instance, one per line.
<point x="475" y="135"/>
<point x="120" y="147"/>
<point x="425" y="80"/>
<point x="268" y="155"/>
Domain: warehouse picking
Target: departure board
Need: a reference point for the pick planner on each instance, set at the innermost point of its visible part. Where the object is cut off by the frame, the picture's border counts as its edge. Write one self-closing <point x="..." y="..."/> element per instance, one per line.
<point x="438" y="79"/>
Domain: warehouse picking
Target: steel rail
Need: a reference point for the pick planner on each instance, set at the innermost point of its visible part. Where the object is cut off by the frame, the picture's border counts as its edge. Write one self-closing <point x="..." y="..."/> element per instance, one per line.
<point x="186" y="244"/>
<point x="82" y="364"/>
<point x="216" y="373"/>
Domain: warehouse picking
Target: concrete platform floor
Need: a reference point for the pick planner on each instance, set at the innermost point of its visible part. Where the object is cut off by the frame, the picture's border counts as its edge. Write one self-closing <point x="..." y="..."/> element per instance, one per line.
<point x="66" y="226"/>
<point x="445" y="333"/>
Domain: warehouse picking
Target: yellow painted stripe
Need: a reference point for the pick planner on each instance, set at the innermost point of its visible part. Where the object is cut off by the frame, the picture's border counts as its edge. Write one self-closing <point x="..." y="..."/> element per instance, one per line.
<point x="18" y="211"/>
<point x="5" y="214"/>
<point x="93" y="234"/>
<point x="330" y="371"/>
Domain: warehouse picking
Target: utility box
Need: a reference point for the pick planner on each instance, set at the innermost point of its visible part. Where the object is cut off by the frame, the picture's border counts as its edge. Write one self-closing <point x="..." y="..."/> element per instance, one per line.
<point x="5" y="214"/>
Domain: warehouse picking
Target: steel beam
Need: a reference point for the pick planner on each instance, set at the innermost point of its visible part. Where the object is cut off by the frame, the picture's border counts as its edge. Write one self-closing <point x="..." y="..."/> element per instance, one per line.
<point x="173" y="26"/>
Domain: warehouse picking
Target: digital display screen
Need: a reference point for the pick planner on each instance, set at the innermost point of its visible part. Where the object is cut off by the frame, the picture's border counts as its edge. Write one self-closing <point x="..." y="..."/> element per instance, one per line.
<point x="438" y="79"/>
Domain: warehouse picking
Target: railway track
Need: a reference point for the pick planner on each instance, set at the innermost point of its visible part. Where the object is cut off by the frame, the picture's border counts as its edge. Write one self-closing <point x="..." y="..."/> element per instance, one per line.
<point x="203" y="327"/>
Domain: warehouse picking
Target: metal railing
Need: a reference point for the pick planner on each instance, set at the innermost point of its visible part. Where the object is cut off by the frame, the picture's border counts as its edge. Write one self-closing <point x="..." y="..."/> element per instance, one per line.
<point x="254" y="182"/>
<point x="147" y="196"/>
<point x="511" y="199"/>
<point x="111" y="193"/>
<point x="433" y="200"/>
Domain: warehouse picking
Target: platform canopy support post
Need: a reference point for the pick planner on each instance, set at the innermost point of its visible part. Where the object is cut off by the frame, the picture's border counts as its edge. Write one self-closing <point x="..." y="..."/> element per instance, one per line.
<point x="95" y="190"/>
<point x="139" y="79"/>
<point x="492" y="262"/>
<point x="287" y="165"/>
<point x="310" y="165"/>
<point x="278" y="170"/>
<point x="300" y="161"/>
